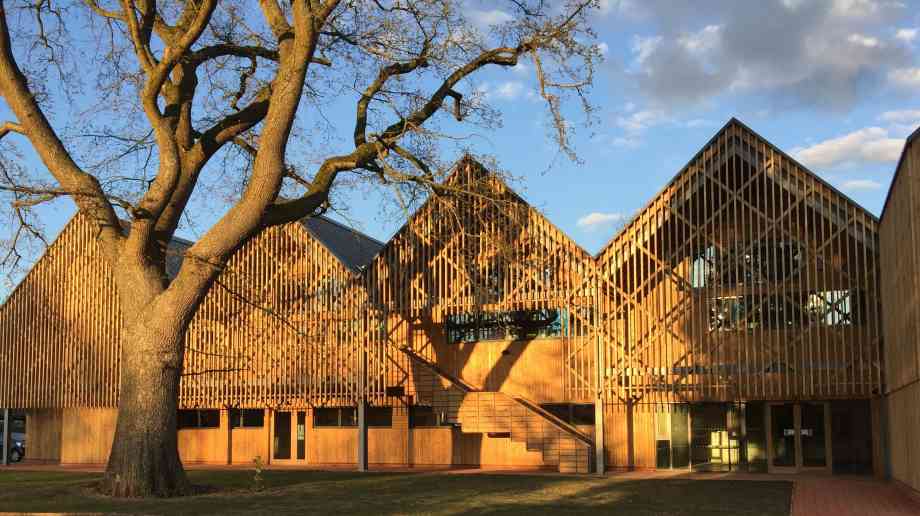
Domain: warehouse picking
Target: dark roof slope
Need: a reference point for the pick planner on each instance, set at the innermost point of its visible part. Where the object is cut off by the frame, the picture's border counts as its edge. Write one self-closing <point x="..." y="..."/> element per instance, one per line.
<point x="353" y="248"/>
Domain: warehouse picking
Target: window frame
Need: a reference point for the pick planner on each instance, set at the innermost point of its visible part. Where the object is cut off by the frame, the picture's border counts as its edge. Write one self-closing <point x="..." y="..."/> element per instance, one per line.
<point x="238" y="418"/>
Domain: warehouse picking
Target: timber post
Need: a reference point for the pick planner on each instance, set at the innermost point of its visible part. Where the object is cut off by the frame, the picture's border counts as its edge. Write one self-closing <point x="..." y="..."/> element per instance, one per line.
<point x="362" y="411"/>
<point x="6" y="437"/>
<point x="600" y="455"/>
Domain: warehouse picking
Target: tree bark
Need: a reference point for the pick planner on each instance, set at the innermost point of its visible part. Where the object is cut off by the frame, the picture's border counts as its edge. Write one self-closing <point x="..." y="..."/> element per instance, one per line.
<point x="144" y="460"/>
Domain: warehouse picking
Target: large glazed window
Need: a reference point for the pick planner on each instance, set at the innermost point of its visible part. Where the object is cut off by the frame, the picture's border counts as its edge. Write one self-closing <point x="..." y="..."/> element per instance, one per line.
<point x="746" y="264"/>
<point x="510" y="325"/>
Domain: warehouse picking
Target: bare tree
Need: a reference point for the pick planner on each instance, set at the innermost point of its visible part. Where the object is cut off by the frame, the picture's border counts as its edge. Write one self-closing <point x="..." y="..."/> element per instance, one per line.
<point x="184" y="84"/>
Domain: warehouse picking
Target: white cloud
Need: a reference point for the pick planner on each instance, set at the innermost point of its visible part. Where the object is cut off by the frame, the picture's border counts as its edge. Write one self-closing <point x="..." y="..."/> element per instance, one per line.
<point x="821" y="53"/>
<point x="860" y="185"/>
<point x="903" y="122"/>
<point x="902" y="116"/>
<point x="641" y="120"/>
<point x="644" y="47"/>
<point x="698" y="122"/>
<point x="906" y="35"/>
<point x="863" y="8"/>
<point x="605" y="7"/>
<point x="506" y="91"/>
<point x="603" y="48"/>
<point x="509" y="90"/>
<point x="865" y="41"/>
<point x="627" y="141"/>
<point x="905" y="77"/>
<point x="703" y="41"/>
<point x="597" y="220"/>
<point x="868" y="145"/>
<point x="485" y="19"/>
<point x="521" y="68"/>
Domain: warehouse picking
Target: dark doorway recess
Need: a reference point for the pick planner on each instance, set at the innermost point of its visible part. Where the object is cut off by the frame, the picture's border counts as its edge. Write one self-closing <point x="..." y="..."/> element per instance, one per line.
<point x="851" y="436"/>
<point x="282" y="435"/>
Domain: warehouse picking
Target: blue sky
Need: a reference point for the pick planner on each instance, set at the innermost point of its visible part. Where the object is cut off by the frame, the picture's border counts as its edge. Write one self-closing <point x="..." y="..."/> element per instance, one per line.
<point x="832" y="82"/>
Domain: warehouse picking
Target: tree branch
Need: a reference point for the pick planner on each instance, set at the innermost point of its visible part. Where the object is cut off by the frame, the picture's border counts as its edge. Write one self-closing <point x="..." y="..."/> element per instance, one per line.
<point x="8" y="127"/>
<point x="88" y="194"/>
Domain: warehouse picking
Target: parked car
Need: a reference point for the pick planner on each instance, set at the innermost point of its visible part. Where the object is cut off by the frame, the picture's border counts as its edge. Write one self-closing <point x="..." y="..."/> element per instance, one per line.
<point x="17" y="438"/>
<point x="17" y="449"/>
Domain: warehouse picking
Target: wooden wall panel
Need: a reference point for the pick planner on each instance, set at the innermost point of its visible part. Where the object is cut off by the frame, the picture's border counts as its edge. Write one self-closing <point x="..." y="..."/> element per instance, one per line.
<point x="249" y="443"/>
<point x="630" y="436"/>
<point x="43" y="435"/>
<point x="59" y="328"/>
<point x="432" y="446"/>
<point x="334" y="446"/>
<point x="203" y="445"/>
<point x="509" y="366"/>
<point x="87" y="436"/>
<point x="899" y="237"/>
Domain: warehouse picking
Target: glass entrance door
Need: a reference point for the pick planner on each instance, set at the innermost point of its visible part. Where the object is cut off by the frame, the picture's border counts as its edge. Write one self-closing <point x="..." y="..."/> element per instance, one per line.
<point x="782" y="435"/>
<point x="798" y="436"/>
<point x="812" y="433"/>
<point x="282" y="442"/>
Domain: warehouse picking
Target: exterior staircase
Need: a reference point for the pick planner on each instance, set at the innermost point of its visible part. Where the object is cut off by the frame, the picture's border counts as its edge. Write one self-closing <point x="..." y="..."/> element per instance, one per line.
<point x="562" y="445"/>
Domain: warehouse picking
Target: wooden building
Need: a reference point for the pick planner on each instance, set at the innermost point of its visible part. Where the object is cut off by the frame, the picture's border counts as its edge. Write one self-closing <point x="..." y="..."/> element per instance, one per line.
<point x="899" y="237"/>
<point x="732" y="324"/>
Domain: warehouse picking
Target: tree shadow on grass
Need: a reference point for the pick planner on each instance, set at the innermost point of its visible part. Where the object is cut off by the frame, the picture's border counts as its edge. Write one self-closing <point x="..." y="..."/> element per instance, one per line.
<point x="316" y="492"/>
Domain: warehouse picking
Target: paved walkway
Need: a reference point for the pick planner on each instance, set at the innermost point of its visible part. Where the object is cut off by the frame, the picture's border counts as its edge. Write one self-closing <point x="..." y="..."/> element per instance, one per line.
<point x="850" y="496"/>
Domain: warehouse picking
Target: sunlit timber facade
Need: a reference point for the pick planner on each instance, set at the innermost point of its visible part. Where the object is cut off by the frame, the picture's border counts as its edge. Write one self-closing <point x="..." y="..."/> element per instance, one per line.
<point x="733" y="324"/>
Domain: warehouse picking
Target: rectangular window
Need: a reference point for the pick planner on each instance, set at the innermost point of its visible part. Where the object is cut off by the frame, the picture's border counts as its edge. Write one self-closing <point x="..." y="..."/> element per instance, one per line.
<point x="335" y="417"/>
<point x="247" y="418"/>
<point x="510" y="325"/>
<point x="572" y="413"/>
<point x="379" y="416"/>
<point x="199" y="419"/>
<point x="830" y="307"/>
<point x="424" y="417"/>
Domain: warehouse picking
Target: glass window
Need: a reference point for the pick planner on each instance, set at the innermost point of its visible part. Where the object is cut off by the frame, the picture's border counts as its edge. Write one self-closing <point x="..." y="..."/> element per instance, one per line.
<point x="830" y="307"/>
<point x="325" y="417"/>
<point x="379" y="416"/>
<point x="510" y="325"/>
<point x="704" y="266"/>
<point x="572" y="413"/>
<point x="335" y="416"/>
<point x="422" y="417"/>
<point x="247" y="418"/>
<point x="199" y="418"/>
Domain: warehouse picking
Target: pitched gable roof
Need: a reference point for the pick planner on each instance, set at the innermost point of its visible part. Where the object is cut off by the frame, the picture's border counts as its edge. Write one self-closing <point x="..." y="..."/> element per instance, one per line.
<point x="477" y="172"/>
<point x="737" y="149"/>
<point x="353" y="248"/>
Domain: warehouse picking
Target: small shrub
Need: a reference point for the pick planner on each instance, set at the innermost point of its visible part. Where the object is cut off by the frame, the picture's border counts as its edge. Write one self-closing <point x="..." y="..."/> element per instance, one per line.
<point x="258" y="482"/>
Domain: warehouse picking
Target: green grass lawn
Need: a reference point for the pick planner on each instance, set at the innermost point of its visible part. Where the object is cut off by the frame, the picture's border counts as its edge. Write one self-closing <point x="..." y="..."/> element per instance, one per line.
<point x="345" y="493"/>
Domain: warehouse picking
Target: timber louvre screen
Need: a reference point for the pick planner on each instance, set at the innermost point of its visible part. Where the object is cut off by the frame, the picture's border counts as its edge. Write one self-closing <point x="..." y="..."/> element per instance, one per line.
<point x="738" y="199"/>
<point x="290" y="325"/>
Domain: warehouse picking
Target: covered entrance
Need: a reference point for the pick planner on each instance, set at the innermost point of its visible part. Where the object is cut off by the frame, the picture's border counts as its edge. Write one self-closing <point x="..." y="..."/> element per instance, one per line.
<point x="289" y="436"/>
<point x="799" y="437"/>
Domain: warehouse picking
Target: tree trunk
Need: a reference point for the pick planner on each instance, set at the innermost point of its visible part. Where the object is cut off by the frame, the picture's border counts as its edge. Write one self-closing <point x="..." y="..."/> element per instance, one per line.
<point x="144" y="459"/>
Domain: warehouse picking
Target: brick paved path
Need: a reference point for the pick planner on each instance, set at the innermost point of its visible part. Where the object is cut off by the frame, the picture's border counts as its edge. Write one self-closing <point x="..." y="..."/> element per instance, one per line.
<point x="850" y="496"/>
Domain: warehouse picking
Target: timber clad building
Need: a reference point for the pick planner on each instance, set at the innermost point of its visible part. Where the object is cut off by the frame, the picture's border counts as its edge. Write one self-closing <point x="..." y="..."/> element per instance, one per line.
<point x="734" y="324"/>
